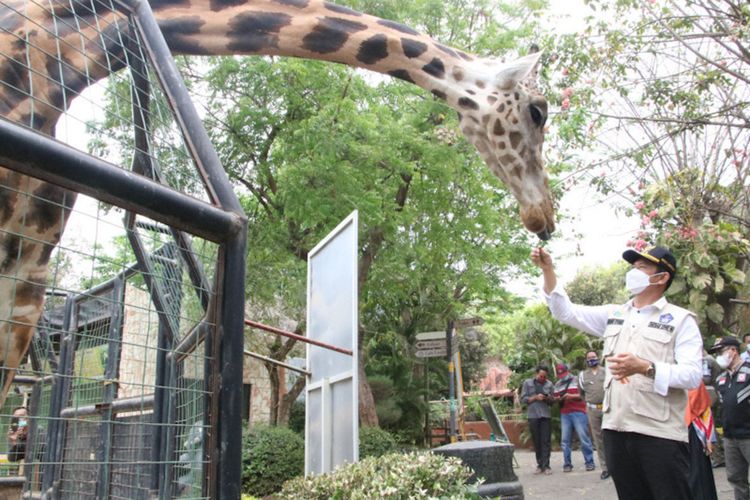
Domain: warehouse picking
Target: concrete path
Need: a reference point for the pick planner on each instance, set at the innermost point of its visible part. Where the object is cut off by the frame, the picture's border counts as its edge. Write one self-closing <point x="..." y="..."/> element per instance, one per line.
<point x="579" y="484"/>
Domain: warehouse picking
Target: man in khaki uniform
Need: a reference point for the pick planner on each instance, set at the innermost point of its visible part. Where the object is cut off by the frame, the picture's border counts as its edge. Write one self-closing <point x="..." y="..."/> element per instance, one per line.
<point x="653" y="352"/>
<point x="591" y="386"/>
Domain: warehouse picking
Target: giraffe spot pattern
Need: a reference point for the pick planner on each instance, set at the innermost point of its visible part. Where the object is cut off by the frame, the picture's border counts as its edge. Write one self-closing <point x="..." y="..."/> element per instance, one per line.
<point x="11" y="245"/>
<point x="163" y="4"/>
<point x="481" y="84"/>
<point x="29" y="293"/>
<point x="341" y="9"/>
<point x="373" y="49"/>
<point x="498" y="129"/>
<point x="413" y="48"/>
<point x="254" y="31"/>
<point x="8" y="200"/>
<point x="458" y="74"/>
<point x="501" y="145"/>
<point x="446" y="50"/>
<point x="219" y="5"/>
<point x="491" y="99"/>
<point x="67" y="77"/>
<point x="34" y="121"/>
<point x="435" y="68"/>
<point x="45" y="208"/>
<point x="177" y="33"/>
<point x="397" y="26"/>
<point x="330" y="34"/>
<point x="14" y="75"/>
<point x="515" y="139"/>
<point x="467" y="103"/>
<point x="401" y="74"/>
<point x="471" y="92"/>
<point x="45" y="254"/>
<point x="441" y="95"/>
<point x="506" y="159"/>
<point x="81" y="9"/>
<point x="464" y="56"/>
<point x="300" y="4"/>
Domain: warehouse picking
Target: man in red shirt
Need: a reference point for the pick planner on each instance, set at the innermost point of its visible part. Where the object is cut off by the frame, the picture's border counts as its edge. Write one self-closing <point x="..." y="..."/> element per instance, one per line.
<point x="572" y="416"/>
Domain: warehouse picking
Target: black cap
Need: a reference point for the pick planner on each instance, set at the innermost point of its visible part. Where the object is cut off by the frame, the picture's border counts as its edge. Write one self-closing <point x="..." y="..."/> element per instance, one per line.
<point x="658" y="255"/>
<point x="723" y="342"/>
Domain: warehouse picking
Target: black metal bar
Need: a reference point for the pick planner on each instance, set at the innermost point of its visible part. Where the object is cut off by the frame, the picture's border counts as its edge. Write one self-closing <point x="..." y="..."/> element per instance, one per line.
<point x="160" y="414"/>
<point x="190" y="342"/>
<point x="60" y="390"/>
<point x="229" y="454"/>
<point x="12" y="480"/>
<point x="207" y="161"/>
<point x="301" y="338"/>
<point x="25" y="380"/>
<point x="109" y="392"/>
<point x="32" y="453"/>
<point x="118" y="406"/>
<point x="42" y="157"/>
<point x="154" y="288"/>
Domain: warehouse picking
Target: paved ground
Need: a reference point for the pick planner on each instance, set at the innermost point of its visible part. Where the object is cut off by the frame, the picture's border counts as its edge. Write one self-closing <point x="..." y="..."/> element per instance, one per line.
<point x="579" y="484"/>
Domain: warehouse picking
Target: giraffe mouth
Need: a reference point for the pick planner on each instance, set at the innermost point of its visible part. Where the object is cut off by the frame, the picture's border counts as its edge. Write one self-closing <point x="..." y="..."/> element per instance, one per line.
<point x="544" y="234"/>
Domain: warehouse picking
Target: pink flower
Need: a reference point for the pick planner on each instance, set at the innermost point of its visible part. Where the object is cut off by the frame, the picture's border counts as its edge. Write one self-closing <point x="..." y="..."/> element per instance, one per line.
<point x="640" y="205"/>
<point x="653" y="213"/>
<point x="565" y="104"/>
<point x="565" y="71"/>
<point x="629" y="243"/>
<point x="640" y="245"/>
<point x="645" y="220"/>
<point x="567" y="92"/>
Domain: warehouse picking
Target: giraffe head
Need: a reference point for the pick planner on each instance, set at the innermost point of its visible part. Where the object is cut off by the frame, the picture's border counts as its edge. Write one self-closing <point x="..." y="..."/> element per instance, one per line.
<point x="503" y="115"/>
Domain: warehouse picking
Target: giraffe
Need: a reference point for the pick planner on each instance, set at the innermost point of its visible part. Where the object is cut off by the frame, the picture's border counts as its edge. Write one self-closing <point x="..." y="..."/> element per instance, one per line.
<point x="501" y="112"/>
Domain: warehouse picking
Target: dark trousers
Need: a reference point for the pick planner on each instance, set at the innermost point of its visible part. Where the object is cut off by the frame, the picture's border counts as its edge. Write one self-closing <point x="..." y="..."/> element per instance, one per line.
<point x="541" y="433"/>
<point x="646" y="467"/>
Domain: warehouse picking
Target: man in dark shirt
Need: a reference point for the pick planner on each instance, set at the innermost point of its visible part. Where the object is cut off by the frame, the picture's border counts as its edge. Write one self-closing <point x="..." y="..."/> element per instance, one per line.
<point x="536" y="392"/>
<point x="733" y="386"/>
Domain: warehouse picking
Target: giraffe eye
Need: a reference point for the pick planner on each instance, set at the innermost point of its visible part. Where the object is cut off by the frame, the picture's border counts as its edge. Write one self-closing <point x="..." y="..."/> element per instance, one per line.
<point x="537" y="115"/>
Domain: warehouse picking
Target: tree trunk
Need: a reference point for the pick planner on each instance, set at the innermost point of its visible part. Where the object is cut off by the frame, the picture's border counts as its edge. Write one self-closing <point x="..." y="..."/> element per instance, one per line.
<point x="367" y="414"/>
<point x="288" y="399"/>
<point x="273" y="376"/>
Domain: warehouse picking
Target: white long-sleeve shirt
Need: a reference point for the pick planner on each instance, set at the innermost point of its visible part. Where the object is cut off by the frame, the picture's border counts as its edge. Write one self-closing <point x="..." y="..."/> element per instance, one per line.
<point x="685" y="373"/>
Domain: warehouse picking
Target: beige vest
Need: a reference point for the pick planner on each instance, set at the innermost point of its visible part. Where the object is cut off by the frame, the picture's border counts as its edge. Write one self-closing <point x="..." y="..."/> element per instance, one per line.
<point x="634" y="406"/>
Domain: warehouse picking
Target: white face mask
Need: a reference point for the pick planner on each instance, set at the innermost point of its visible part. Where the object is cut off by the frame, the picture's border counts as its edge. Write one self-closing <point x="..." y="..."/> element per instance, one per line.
<point x="723" y="361"/>
<point x="636" y="281"/>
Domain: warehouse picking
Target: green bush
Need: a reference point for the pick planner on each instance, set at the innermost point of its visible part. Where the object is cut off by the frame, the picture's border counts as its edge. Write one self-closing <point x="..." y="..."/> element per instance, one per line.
<point x="413" y="475"/>
<point x="297" y="417"/>
<point x="270" y="456"/>
<point x="375" y="442"/>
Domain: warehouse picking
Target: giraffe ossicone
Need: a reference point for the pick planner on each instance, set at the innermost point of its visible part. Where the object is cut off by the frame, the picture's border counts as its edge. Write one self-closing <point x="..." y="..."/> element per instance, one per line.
<point x="51" y="51"/>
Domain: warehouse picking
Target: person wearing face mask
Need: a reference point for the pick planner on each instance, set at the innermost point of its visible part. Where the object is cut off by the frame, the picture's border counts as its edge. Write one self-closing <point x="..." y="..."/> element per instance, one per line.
<point x="536" y="392"/>
<point x="652" y="352"/>
<point x="733" y="386"/>
<point x="591" y="385"/>
<point x="572" y="417"/>
<point x="746" y="353"/>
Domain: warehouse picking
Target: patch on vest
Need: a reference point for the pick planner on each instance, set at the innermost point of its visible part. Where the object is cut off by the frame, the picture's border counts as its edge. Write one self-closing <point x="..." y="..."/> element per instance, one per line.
<point x="661" y="326"/>
<point x="612" y="321"/>
<point x="666" y="318"/>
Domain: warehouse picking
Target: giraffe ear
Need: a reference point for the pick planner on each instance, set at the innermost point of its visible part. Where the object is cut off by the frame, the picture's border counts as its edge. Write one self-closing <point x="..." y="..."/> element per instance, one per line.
<point x="511" y="74"/>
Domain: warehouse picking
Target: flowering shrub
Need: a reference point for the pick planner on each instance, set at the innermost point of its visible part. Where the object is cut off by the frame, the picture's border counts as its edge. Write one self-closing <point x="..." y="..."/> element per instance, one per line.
<point x="396" y="476"/>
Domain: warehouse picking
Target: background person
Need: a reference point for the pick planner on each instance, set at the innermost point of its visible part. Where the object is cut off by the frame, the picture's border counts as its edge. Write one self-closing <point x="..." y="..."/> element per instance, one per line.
<point x="733" y="386"/>
<point x="746" y="353"/>
<point x="17" y="435"/>
<point x="536" y="392"/>
<point x="591" y="385"/>
<point x="572" y="417"/>
<point x="653" y="353"/>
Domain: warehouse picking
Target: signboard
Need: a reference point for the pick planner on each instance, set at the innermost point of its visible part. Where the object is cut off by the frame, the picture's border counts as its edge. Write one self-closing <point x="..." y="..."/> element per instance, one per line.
<point x="432" y="353"/>
<point x="466" y="322"/>
<point x="431" y="335"/>
<point x="331" y="417"/>
<point x="431" y="344"/>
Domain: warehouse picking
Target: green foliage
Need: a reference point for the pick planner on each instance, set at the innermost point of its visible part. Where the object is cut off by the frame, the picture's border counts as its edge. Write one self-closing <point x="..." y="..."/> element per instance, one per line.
<point x="413" y="475"/>
<point x="375" y="442"/>
<point x="297" y="417"/>
<point x="386" y="405"/>
<point x="473" y="408"/>
<point x="270" y="456"/>
<point x="599" y="285"/>
<point x="538" y="339"/>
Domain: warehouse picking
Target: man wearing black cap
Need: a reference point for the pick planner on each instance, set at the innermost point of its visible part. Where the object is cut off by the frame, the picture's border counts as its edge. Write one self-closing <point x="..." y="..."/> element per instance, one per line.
<point x="733" y="386"/>
<point x="653" y="351"/>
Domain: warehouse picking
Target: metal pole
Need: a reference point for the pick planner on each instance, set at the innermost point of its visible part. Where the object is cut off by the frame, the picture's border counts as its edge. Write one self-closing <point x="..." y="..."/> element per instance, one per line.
<point x="294" y="336"/>
<point x="452" y="381"/>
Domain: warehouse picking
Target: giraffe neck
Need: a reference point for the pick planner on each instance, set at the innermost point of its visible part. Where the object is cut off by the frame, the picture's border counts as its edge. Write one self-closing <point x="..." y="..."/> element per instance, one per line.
<point x="314" y="29"/>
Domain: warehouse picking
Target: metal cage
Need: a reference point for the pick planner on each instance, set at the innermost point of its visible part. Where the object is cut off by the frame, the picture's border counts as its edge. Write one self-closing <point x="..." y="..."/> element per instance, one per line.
<point x="133" y="384"/>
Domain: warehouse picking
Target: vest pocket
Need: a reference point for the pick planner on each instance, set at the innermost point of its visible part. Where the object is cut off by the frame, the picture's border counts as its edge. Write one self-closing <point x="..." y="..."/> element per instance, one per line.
<point x="654" y="345"/>
<point x="646" y="402"/>
<point x="610" y="337"/>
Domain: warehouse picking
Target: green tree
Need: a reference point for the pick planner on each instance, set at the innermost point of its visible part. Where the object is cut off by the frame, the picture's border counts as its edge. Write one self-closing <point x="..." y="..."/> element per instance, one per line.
<point x="599" y="285"/>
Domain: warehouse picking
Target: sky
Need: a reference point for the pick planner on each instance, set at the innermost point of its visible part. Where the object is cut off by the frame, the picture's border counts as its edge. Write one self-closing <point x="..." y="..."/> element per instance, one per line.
<point x="591" y="234"/>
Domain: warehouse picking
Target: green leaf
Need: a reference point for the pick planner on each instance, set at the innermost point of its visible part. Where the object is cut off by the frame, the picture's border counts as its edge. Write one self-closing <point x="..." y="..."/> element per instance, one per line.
<point x="715" y="312"/>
